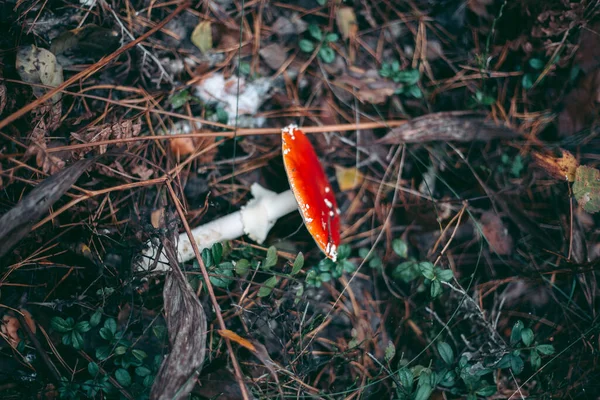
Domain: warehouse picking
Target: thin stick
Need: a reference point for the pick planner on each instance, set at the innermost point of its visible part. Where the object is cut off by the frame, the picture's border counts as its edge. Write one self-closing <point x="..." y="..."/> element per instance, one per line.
<point x="211" y="292"/>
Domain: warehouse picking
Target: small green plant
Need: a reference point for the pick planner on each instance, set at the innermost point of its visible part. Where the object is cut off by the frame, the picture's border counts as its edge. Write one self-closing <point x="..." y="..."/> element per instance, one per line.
<point x="522" y="341"/>
<point x="534" y="70"/>
<point x="514" y="165"/>
<point x="320" y="40"/>
<point x="412" y="269"/>
<point x="327" y="269"/>
<point x="409" y="78"/>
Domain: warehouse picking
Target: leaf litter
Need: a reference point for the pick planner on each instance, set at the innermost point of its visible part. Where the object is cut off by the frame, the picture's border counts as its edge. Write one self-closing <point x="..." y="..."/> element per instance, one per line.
<point x="463" y="139"/>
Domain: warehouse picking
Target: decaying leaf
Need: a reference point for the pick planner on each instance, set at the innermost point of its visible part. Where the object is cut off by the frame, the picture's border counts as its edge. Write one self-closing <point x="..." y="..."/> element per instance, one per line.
<point x="121" y="130"/>
<point x="460" y="126"/>
<point x="39" y="66"/>
<point x="46" y="119"/>
<point x="89" y="41"/>
<point x="368" y="85"/>
<point x="587" y="188"/>
<point x="186" y="324"/>
<point x="559" y="168"/>
<point x="274" y="55"/>
<point x="202" y="36"/>
<point x="182" y="146"/>
<point x="346" y="22"/>
<point x="496" y="234"/>
<point x="580" y="105"/>
<point x="348" y="178"/>
<point x="10" y="326"/>
<point x="17" y="222"/>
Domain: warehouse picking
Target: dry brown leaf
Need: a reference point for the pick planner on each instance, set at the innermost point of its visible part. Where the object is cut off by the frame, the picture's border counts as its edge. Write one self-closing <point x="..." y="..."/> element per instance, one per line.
<point x="348" y="178"/>
<point x="46" y="119"/>
<point x="121" y="130"/>
<point x="142" y="171"/>
<point x="10" y="328"/>
<point x="274" y="55"/>
<point x="580" y="105"/>
<point x="157" y="218"/>
<point x="563" y="167"/>
<point x="496" y="234"/>
<point x="234" y="337"/>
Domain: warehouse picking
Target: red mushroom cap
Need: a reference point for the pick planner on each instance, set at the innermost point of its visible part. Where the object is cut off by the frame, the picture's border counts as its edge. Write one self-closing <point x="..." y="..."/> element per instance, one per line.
<point x="312" y="190"/>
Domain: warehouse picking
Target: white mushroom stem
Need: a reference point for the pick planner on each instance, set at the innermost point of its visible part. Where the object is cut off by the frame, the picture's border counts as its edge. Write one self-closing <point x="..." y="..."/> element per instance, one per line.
<point x="255" y="219"/>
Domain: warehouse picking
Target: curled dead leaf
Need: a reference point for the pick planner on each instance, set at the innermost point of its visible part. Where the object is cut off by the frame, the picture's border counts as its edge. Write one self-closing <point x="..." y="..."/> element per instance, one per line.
<point x="496" y="234"/>
<point x="563" y="167"/>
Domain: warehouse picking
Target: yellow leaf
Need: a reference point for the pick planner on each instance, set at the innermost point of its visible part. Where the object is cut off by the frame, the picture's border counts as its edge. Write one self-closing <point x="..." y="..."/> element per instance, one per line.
<point x="202" y="36"/>
<point x="348" y="178"/>
<point x="234" y="337"/>
<point x="346" y="22"/>
<point x="559" y="168"/>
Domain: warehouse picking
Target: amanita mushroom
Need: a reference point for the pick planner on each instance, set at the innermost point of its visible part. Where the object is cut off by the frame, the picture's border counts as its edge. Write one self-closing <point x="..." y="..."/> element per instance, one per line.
<point x="311" y="193"/>
<point x="312" y="190"/>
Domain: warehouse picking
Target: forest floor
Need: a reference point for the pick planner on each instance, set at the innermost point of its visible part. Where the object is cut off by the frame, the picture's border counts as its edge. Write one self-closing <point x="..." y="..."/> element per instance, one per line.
<point x="461" y="143"/>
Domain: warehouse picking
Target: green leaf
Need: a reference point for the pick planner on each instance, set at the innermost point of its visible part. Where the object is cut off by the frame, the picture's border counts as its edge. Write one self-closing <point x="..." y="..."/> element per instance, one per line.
<point x="390" y="351"/>
<point x="449" y="379"/>
<point x="536" y="63"/>
<point x="123" y="377"/>
<point x="504" y="362"/>
<point x="535" y="360"/>
<point x="516" y="364"/>
<point x="527" y="81"/>
<point x="244" y="68"/>
<point x="427" y="270"/>
<point x="217" y="252"/>
<point x="298" y="264"/>
<point x="102" y="352"/>
<point x="445" y="275"/>
<point x="60" y="325"/>
<point x="225" y="275"/>
<point x="405" y="376"/>
<point x="331" y="37"/>
<point x="106" y="334"/>
<point x="222" y="115"/>
<point x="515" y="335"/>
<point x="139" y="354"/>
<point x="586" y="188"/>
<point x="96" y="317"/>
<point x="348" y="266"/>
<point x="436" y="289"/>
<point x="545" y="349"/>
<point x="207" y="258"/>
<point x="111" y="325"/>
<point x="343" y="252"/>
<point x="410" y="77"/>
<point x="325" y="276"/>
<point x="83" y="326"/>
<point x="326" y="265"/>
<point x="423" y="392"/>
<point x="93" y="368"/>
<point x="400" y="247"/>
<point x="486" y="391"/>
<point x="66" y="339"/>
<point x="446" y="352"/>
<point x="267" y="287"/>
<point x="160" y="331"/>
<point x="120" y="350"/>
<point x="406" y="271"/>
<point x="306" y="46"/>
<point x="327" y="54"/>
<point x="142" y="371"/>
<point x="415" y="91"/>
<point x="271" y="259"/>
<point x="242" y="266"/>
<point x="527" y="336"/>
<point x="315" y="32"/>
<point x="179" y="99"/>
<point x="76" y="340"/>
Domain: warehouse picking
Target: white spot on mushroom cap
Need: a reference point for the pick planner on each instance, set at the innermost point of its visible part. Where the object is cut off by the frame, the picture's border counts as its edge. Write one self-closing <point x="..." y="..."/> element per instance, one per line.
<point x="328" y="203"/>
<point x="327" y="189"/>
<point x="331" y="213"/>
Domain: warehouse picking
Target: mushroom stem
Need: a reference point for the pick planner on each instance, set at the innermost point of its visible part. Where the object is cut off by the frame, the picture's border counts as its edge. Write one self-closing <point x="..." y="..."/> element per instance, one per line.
<point x="255" y="219"/>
